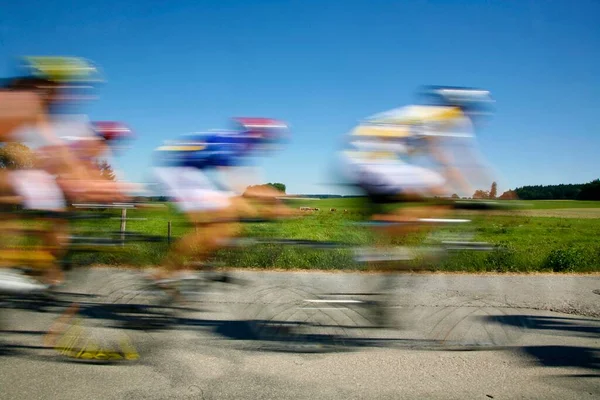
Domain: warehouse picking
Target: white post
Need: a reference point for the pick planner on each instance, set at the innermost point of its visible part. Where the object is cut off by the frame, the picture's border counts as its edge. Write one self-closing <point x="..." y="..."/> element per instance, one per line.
<point x="123" y="225"/>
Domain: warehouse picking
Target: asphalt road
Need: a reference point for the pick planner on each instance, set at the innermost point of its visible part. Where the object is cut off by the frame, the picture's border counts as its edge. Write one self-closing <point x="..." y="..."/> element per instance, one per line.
<point x="311" y="336"/>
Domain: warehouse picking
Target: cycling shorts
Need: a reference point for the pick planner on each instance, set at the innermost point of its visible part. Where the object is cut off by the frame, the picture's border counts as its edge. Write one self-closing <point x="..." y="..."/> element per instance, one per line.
<point x="38" y="189"/>
<point x="383" y="177"/>
<point x="191" y="190"/>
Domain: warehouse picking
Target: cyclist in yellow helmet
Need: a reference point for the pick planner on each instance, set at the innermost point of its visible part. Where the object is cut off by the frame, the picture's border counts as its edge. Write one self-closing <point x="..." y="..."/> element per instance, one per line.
<point x="27" y="101"/>
<point x="26" y="105"/>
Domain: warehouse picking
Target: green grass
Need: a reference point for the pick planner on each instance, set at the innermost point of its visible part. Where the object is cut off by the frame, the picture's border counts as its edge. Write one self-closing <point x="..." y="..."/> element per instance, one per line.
<point x="326" y="204"/>
<point x="557" y="204"/>
<point x="530" y="244"/>
<point x="526" y="243"/>
<point x="353" y="203"/>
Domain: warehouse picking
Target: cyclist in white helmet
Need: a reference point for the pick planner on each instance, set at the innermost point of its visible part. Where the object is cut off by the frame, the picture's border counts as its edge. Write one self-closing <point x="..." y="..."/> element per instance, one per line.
<point x="381" y="153"/>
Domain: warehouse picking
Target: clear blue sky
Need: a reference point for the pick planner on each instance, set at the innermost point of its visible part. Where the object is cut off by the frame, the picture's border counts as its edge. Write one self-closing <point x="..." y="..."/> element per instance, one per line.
<point x="179" y="66"/>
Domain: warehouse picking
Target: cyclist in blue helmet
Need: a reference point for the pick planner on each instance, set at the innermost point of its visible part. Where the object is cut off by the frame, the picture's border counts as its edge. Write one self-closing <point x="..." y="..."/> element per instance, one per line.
<point x="183" y="170"/>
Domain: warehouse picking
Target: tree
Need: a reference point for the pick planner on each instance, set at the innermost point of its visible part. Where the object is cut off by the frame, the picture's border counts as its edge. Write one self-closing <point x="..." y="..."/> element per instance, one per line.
<point x="549" y="192"/>
<point x="590" y="191"/>
<point x="481" y="194"/>
<point x="509" y="195"/>
<point x="493" y="190"/>
<point x="278" y="186"/>
<point x="106" y="170"/>
<point x="15" y="156"/>
<point x="454" y="196"/>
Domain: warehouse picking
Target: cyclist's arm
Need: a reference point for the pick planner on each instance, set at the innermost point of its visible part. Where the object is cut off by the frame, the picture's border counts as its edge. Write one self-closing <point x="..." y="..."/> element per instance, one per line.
<point x="68" y="162"/>
<point x="478" y="170"/>
<point x="453" y="174"/>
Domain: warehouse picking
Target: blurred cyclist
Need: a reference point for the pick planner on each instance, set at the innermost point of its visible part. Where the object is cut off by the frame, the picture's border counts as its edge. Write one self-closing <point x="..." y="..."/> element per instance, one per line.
<point x="27" y="103"/>
<point x="215" y="205"/>
<point x="27" y="106"/>
<point x="380" y="159"/>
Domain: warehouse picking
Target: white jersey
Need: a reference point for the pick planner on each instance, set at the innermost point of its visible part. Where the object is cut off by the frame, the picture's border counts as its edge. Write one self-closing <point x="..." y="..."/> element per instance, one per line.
<point x="64" y="126"/>
<point x="380" y="151"/>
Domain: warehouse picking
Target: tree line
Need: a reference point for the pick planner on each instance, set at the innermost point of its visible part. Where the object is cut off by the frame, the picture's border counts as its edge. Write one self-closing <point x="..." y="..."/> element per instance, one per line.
<point x="584" y="191"/>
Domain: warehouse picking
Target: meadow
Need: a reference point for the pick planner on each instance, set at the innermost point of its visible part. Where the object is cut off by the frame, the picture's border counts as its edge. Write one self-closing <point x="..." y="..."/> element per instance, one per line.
<point x="542" y="236"/>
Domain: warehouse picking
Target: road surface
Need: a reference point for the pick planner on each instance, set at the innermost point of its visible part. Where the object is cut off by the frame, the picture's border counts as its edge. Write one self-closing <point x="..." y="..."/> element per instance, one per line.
<point x="308" y="336"/>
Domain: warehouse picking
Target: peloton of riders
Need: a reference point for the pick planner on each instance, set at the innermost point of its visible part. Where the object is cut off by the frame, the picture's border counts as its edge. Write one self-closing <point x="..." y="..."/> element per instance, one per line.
<point x="378" y="159"/>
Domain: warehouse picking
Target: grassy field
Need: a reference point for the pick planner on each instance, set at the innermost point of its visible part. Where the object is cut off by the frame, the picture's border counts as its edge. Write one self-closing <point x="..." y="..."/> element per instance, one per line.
<point x="544" y="236"/>
<point x="560" y="204"/>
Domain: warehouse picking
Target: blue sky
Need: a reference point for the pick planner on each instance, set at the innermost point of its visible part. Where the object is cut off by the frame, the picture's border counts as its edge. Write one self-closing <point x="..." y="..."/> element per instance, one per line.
<point x="180" y="66"/>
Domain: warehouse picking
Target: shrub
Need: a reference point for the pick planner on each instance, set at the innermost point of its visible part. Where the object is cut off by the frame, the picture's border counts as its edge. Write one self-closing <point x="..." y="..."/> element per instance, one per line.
<point x="502" y="258"/>
<point x="562" y="260"/>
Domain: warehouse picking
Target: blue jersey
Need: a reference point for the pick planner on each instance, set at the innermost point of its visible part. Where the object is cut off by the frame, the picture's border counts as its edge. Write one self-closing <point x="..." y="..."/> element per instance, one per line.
<point x="212" y="149"/>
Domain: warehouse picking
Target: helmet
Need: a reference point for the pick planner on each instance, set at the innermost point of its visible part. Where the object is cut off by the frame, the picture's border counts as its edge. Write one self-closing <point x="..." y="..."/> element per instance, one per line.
<point x="112" y="132"/>
<point x="61" y="75"/>
<point x="264" y="130"/>
<point x="469" y="100"/>
<point x="62" y="70"/>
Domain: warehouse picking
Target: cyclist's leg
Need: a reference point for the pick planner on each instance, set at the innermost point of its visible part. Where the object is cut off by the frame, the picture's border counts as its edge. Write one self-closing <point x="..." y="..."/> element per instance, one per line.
<point x="201" y="243"/>
<point x="9" y="200"/>
<point x="243" y="208"/>
<point x="57" y="240"/>
<point x="202" y="203"/>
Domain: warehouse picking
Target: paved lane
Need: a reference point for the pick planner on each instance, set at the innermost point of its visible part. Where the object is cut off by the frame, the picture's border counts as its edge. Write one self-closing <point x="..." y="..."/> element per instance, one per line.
<point x="456" y="336"/>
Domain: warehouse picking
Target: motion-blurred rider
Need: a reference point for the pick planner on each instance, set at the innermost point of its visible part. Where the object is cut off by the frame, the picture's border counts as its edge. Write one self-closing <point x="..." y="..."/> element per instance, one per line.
<point x="28" y="104"/>
<point x="382" y="153"/>
<point x="214" y="205"/>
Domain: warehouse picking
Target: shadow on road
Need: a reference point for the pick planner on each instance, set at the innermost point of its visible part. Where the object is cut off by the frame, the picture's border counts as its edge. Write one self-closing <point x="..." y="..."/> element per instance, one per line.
<point x="251" y="334"/>
<point x="565" y="356"/>
<point x="299" y="336"/>
<point x="550" y="325"/>
<point x="558" y="356"/>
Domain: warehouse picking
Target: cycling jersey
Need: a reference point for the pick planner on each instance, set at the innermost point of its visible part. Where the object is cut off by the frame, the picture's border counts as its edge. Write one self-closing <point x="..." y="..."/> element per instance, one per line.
<point x="181" y="163"/>
<point x="377" y="158"/>
<point x="213" y="149"/>
<point x="397" y="133"/>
